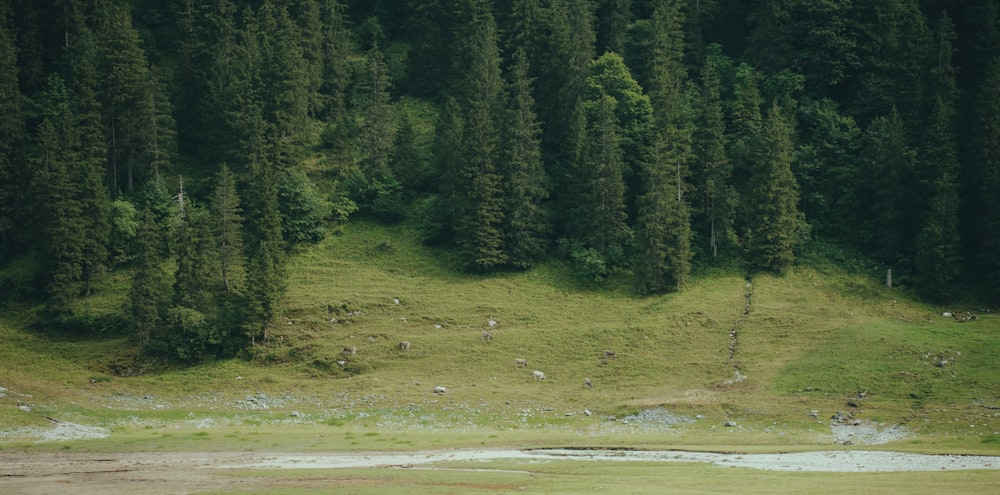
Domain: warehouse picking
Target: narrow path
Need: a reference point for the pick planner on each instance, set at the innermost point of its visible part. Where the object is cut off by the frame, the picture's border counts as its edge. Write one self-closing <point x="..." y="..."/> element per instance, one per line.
<point x="734" y="333"/>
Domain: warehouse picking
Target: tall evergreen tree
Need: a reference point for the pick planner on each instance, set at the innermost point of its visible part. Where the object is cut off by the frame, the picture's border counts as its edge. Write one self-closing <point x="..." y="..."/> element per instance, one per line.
<point x="89" y="160"/>
<point x="715" y="199"/>
<point x="284" y="79"/>
<point x="11" y="136"/>
<point x="663" y="228"/>
<point x="265" y="253"/>
<point x="377" y="132"/>
<point x="773" y="198"/>
<point x="195" y="280"/>
<point x="567" y="48"/>
<point x="125" y="95"/>
<point x="150" y="285"/>
<point x="938" y="244"/>
<point x="480" y="188"/>
<point x="57" y="221"/>
<point x="226" y="210"/>
<point x="596" y="215"/>
<point x="890" y="163"/>
<point x="613" y="17"/>
<point x="988" y="177"/>
<point x="525" y="221"/>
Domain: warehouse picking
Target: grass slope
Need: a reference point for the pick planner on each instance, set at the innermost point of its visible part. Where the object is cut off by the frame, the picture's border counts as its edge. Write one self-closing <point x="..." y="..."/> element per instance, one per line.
<point x="762" y="355"/>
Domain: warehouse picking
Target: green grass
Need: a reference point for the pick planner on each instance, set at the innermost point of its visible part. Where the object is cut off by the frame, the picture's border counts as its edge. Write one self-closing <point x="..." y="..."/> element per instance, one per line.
<point x="572" y="477"/>
<point x="812" y="340"/>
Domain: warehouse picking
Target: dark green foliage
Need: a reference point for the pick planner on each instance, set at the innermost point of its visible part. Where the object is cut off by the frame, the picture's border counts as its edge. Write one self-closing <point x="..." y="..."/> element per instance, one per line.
<point x="938" y="244"/>
<point x="377" y="132"/>
<point x="597" y="143"/>
<point x="226" y="210"/>
<point x="525" y="220"/>
<point x="126" y="95"/>
<point x="196" y="278"/>
<point x="828" y="170"/>
<point x="57" y="221"/>
<point x="714" y="200"/>
<point x="406" y="163"/>
<point x="663" y="232"/>
<point x="11" y="136"/>
<point x="987" y="219"/>
<point x="265" y="250"/>
<point x="303" y="209"/>
<point x="891" y="163"/>
<point x="772" y="198"/>
<point x="595" y="210"/>
<point x="150" y="290"/>
<point x="124" y="220"/>
<point x="478" y="226"/>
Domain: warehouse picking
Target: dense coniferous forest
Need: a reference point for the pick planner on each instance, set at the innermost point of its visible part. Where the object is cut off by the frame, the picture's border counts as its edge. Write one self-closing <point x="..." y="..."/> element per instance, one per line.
<point x="194" y="145"/>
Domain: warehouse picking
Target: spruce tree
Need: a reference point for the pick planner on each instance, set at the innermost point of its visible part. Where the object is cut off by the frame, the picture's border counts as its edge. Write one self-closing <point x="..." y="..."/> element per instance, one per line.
<point x="226" y="210"/>
<point x="891" y="163"/>
<point x="938" y="245"/>
<point x="377" y="132"/>
<point x="597" y="216"/>
<point x="563" y="62"/>
<point x="150" y="285"/>
<point x="480" y="190"/>
<point x="988" y="177"/>
<point x="266" y="284"/>
<point x="11" y="137"/>
<point x="195" y="280"/>
<point x="59" y="211"/>
<point x="772" y="198"/>
<point x="125" y="95"/>
<point x="714" y="202"/>
<point x="525" y="221"/>
<point x="663" y="227"/>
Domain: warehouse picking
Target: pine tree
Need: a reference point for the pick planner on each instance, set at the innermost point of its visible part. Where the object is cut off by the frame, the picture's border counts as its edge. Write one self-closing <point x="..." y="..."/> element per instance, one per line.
<point x="938" y="245"/>
<point x="563" y="63"/>
<point x="89" y="160"/>
<point x="284" y="78"/>
<point x="480" y="189"/>
<point x="58" y="216"/>
<point x="377" y="132"/>
<point x="988" y="177"/>
<point x="406" y="162"/>
<point x="614" y="17"/>
<point x="226" y="210"/>
<point x="891" y="163"/>
<point x="525" y="221"/>
<point x="11" y="137"/>
<point x="663" y="227"/>
<point x="197" y="261"/>
<point x="150" y="285"/>
<point x="125" y="96"/>
<point x="714" y="203"/>
<point x="265" y="253"/>
<point x="596" y="211"/>
<point x="207" y="51"/>
<point x="773" y="198"/>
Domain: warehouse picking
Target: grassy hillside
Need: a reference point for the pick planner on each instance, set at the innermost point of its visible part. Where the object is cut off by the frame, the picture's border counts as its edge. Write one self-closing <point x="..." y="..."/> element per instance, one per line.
<point x="762" y="354"/>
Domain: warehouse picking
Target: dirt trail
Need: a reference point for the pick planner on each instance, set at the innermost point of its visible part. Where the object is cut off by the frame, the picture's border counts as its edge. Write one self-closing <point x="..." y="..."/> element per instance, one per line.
<point x="184" y="472"/>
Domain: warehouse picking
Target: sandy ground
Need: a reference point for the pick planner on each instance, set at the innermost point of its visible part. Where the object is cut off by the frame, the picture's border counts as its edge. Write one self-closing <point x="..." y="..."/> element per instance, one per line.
<point x="181" y="473"/>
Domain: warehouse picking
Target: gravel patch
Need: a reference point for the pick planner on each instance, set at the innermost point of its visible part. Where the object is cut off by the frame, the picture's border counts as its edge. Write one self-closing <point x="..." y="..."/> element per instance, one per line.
<point x="61" y="432"/>
<point x="847" y="461"/>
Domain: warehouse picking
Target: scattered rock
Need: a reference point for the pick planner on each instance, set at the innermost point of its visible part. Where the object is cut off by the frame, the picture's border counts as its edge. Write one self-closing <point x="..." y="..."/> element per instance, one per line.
<point x="440" y="390"/>
<point x="730" y="424"/>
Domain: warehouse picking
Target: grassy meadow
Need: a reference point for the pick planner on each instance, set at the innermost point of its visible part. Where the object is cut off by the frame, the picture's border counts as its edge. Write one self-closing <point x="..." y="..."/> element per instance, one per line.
<point x="772" y="357"/>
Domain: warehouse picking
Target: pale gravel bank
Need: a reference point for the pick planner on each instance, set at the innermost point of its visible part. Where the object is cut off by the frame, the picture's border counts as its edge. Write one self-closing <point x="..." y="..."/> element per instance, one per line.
<point x="847" y="461"/>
